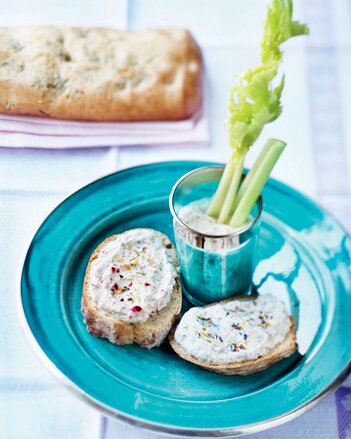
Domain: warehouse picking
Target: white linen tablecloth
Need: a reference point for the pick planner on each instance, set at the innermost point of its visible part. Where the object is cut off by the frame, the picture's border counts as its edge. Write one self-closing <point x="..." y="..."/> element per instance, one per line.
<point x="317" y="161"/>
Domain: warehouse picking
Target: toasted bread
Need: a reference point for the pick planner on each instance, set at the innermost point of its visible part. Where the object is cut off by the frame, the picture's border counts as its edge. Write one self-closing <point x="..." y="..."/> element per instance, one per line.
<point x="246" y="367"/>
<point x="148" y="334"/>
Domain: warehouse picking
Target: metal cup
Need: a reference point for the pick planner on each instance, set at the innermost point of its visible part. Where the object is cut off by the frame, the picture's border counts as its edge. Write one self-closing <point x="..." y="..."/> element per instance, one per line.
<point x="213" y="267"/>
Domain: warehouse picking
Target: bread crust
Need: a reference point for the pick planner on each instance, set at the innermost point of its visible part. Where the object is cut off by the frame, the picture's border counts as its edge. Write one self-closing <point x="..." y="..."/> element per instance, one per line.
<point x="100" y="74"/>
<point x="150" y="333"/>
<point x="246" y="367"/>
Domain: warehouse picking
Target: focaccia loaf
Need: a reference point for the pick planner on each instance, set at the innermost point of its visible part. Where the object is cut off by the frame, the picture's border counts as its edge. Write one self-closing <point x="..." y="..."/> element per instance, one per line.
<point x="99" y="74"/>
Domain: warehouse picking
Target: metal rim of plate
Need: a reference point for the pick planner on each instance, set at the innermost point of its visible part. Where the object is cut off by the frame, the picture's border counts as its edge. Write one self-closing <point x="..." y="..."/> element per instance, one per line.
<point x="139" y="422"/>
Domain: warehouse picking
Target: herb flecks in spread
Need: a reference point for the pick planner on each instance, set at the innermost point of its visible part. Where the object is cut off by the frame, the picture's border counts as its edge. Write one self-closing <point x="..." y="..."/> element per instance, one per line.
<point x="133" y="276"/>
<point x="233" y="331"/>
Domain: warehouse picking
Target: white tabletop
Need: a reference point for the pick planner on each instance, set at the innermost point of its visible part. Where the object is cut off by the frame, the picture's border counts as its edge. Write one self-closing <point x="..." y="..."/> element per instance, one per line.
<point x="317" y="161"/>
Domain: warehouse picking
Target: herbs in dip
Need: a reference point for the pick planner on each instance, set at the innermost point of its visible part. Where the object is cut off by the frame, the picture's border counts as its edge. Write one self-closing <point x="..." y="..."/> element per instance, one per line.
<point x="235" y="330"/>
<point x="133" y="276"/>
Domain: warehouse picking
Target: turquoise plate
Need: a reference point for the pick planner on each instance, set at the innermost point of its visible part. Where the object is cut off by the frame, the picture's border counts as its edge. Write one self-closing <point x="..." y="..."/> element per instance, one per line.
<point x="304" y="259"/>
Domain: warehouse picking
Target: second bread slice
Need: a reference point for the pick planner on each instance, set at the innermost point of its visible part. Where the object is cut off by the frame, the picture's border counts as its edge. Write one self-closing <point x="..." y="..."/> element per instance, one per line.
<point x="284" y="348"/>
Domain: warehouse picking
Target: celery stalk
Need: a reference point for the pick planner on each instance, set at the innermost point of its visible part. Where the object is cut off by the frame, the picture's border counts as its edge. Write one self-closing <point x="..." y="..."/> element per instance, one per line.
<point x="227" y="206"/>
<point x="219" y="197"/>
<point x="254" y="102"/>
<point x="248" y="179"/>
<point x="256" y="179"/>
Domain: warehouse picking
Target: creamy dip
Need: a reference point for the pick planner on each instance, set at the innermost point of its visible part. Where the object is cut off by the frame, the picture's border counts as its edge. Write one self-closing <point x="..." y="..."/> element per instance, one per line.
<point x="133" y="276"/>
<point x="194" y="216"/>
<point x="233" y="331"/>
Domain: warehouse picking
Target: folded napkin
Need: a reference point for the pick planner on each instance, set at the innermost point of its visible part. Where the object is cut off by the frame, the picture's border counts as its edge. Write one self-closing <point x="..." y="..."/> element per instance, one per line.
<point x="37" y="132"/>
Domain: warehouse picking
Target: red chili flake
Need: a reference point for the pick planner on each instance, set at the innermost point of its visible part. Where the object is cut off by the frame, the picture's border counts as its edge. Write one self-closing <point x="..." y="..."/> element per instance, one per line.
<point x="137" y="308"/>
<point x="115" y="286"/>
<point x="130" y="284"/>
<point x="115" y="269"/>
<point x="147" y="284"/>
<point x="241" y="346"/>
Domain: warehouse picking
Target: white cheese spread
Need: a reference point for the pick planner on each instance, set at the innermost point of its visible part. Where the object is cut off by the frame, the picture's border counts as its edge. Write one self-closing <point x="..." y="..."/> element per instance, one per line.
<point x="233" y="331"/>
<point x="133" y="276"/>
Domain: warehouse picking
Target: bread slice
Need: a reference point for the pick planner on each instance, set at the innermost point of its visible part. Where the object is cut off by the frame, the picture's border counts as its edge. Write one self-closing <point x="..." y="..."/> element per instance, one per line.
<point x="246" y="367"/>
<point x="148" y="334"/>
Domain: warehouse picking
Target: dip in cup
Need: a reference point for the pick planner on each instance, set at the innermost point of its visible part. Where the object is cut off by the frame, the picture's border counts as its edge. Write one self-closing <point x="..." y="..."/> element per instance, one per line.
<point x="216" y="260"/>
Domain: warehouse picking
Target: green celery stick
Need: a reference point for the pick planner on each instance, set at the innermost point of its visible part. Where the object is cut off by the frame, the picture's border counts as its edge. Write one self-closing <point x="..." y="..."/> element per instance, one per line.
<point x="218" y="199"/>
<point x="255" y="101"/>
<point x="248" y="179"/>
<point x="257" y="178"/>
<point x="226" y="210"/>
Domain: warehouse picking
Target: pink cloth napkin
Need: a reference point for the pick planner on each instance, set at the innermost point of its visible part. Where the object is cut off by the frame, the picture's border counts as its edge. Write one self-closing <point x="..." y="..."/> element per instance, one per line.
<point x="37" y="132"/>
